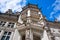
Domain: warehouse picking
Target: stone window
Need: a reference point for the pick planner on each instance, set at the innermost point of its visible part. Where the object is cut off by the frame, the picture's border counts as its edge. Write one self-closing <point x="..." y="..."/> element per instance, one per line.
<point x="0" y="31"/>
<point x="11" y="25"/>
<point x="2" y="23"/>
<point x="6" y="36"/>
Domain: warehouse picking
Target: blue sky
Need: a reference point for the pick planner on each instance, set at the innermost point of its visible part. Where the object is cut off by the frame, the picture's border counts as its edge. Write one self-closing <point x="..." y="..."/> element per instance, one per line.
<point x="49" y="8"/>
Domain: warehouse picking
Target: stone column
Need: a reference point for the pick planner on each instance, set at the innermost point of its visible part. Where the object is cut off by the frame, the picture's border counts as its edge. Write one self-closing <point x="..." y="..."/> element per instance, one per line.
<point x="28" y="13"/>
<point x="28" y="16"/>
<point x="40" y="15"/>
<point x="29" y="35"/>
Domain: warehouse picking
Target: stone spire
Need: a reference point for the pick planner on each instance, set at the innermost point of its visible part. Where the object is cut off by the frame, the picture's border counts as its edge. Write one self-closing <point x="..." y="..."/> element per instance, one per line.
<point x="56" y="20"/>
<point x="9" y="11"/>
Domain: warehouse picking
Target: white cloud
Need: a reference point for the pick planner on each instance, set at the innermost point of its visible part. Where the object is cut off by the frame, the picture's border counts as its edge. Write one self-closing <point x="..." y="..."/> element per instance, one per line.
<point x="11" y="4"/>
<point x="58" y="18"/>
<point x="55" y="9"/>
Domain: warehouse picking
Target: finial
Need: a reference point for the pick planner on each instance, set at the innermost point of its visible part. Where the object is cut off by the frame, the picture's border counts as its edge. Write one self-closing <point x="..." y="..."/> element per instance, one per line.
<point x="39" y="12"/>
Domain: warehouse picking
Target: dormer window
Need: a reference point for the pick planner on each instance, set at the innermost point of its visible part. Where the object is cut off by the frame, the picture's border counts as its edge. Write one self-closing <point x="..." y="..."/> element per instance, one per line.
<point x="11" y="25"/>
<point x="2" y="23"/>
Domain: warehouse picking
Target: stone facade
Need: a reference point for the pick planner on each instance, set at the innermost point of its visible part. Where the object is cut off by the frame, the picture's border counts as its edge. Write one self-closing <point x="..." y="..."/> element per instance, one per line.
<point x="29" y="24"/>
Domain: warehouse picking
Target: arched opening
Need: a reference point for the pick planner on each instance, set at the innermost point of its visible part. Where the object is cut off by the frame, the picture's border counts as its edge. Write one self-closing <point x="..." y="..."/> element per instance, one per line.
<point x="23" y="37"/>
<point x="36" y="37"/>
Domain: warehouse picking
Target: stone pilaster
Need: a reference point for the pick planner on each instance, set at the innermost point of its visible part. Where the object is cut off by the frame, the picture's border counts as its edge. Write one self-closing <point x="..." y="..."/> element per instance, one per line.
<point x="6" y="24"/>
<point x="16" y="35"/>
<point x="11" y="37"/>
<point x="15" y="25"/>
<point x="1" y="34"/>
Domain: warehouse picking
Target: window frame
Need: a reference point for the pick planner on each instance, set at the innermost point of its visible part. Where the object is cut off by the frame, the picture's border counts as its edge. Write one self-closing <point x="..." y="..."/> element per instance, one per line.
<point x="2" y="23"/>
<point x="11" y="25"/>
<point x="6" y="35"/>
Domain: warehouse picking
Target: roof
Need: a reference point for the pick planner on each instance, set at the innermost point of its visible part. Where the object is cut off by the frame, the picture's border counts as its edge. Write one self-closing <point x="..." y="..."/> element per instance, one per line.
<point x="30" y="6"/>
<point x="10" y="17"/>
